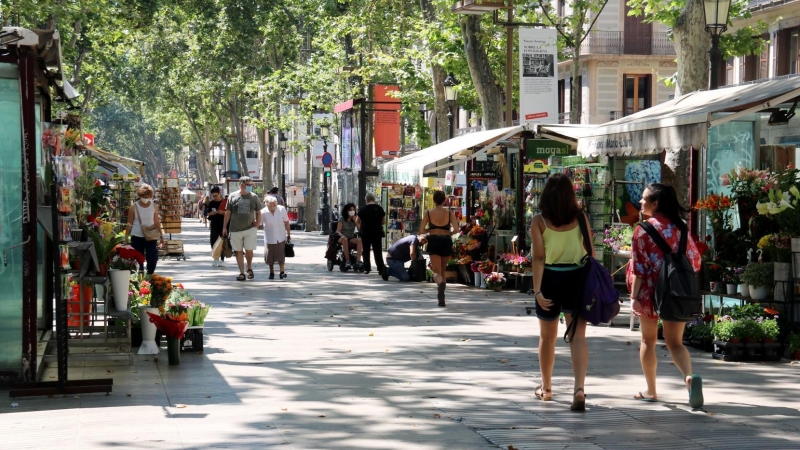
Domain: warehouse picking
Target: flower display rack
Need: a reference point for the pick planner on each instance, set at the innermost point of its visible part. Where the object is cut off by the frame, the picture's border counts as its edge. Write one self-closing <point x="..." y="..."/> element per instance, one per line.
<point x="743" y="351"/>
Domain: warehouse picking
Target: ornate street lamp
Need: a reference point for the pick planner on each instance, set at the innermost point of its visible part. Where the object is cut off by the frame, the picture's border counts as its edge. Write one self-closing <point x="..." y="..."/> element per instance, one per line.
<point x="450" y="96"/>
<point x="324" y="132"/>
<point x="716" y="14"/>
<point x="282" y="142"/>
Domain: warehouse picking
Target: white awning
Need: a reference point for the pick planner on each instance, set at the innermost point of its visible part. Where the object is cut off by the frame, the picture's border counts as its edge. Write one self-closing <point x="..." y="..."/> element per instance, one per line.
<point x="409" y="169"/>
<point x="565" y="133"/>
<point x="683" y="122"/>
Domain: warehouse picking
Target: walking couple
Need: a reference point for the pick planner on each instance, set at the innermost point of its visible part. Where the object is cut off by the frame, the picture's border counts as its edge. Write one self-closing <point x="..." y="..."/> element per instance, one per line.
<point x="558" y="280"/>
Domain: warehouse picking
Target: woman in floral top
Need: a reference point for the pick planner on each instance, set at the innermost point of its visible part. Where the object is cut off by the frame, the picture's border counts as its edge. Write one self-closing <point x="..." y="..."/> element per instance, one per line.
<point x="661" y="203"/>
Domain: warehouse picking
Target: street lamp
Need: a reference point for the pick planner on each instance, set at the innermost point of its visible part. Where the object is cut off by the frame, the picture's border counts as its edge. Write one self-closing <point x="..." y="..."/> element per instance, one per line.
<point x="716" y="15"/>
<point x="282" y="141"/>
<point x="450" y="96"/>
<point x="219" y="170"/>
<point x="325" y="226"/>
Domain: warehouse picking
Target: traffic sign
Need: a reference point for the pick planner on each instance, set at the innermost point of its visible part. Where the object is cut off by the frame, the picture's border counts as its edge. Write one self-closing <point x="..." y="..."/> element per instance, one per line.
<point x="327" y="159"/>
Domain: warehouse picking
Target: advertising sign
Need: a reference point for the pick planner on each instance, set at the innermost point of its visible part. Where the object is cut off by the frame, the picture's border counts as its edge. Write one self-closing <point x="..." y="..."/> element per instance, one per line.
<point x="538" y="72"/>
<point x="387" y="121"/>
<point x="347" y="141"/>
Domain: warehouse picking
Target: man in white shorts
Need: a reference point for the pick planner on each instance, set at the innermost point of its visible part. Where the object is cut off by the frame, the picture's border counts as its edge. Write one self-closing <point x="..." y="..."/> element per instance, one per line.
<point x="242" y="216"/>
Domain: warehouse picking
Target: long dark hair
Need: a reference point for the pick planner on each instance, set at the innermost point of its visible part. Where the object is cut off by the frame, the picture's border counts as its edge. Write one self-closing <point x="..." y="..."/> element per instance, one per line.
<point x="668" y="204"/>
<point x="558" y="203"/>
<point x="345" y="209"/>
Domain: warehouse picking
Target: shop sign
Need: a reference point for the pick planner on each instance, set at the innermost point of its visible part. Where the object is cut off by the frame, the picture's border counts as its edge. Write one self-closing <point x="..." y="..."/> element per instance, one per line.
<point x="537" y="166"/>
<point x="545" y="148"/>
<point x="573" y="160"/>
<point x="491" y="174"/>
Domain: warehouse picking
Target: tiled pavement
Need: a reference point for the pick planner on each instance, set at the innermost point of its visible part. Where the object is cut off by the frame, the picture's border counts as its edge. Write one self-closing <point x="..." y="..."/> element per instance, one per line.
<point x="347" y="361"/>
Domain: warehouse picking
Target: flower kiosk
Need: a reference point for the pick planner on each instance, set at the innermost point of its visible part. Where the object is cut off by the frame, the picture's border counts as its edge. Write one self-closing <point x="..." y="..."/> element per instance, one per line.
<point x="745" y="200"/>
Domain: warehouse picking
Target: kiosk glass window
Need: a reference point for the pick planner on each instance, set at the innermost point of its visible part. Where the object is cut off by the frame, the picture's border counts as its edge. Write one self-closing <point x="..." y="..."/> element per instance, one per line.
<point x="10" y="218"/>
<point x="730" y="146"/>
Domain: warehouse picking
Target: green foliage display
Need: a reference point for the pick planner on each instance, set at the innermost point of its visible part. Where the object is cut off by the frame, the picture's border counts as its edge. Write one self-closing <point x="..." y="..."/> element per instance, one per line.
<point x="758" y="274"/>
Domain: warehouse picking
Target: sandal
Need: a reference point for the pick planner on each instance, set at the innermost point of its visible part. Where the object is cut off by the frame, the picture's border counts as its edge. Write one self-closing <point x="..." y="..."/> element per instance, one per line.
<point x="644" y="398"/>
<point x="695" y="392"/>
<point x="543" y="394"/>
<point x="250" y="275"/>
<point x="578" y="404"/>
<point x="241" y="277"/>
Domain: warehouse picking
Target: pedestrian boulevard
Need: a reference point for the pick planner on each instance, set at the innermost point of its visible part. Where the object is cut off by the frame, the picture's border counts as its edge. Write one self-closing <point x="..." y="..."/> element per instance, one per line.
<point x="331" y="360"/>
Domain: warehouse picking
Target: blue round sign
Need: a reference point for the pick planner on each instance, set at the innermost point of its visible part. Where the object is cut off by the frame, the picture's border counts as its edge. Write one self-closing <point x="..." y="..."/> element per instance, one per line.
<point x="327" y="159"/>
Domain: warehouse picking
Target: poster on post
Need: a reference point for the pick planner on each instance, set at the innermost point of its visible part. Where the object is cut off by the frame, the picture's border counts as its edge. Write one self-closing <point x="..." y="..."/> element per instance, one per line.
<point x="317" y="146"/>
<point x="538" y="72"/>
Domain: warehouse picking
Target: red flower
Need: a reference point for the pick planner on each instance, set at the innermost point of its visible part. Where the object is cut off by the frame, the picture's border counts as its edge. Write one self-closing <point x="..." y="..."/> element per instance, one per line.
<point x="128" y="252"/>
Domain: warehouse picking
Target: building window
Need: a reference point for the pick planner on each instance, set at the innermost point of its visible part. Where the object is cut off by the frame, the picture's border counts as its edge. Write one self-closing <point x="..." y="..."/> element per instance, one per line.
<point x="561" y="7"/>
<point x="562" y="88"/>
<point x="763" y="60"/>
<point x="729" y="71"/>
<point x="636" y="93"/>
<point x="794" y="38"/>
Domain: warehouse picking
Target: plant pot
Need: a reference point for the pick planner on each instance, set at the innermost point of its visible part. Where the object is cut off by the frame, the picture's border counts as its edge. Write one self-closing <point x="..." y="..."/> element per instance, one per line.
<point x="103" y="269"/>
<point x="780" y="271"/>
<point x="744" y="290"/>
<point x="477" y="278"/>
<point x="758" y="293"/>
<point x="174" y="351"/>
<point x="497" y="287"/>
<point x="713" y="286"/>
<point x="731" y="289"/>
<point x="149" y="346"/>
<point x="483" y="281"/>
<point x="120" y="286"/>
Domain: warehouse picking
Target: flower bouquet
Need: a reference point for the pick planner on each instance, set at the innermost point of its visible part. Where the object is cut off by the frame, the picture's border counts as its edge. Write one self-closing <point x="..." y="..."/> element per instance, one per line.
<point x="471" y="245"/>
<point x="778" y="246"/>
<point x="181" y="301"/>
<point x="485" y="267"/>
<point x="495" y="281"/>
<point x="464" y="260"/>
<point x="161" y="288"/>
<point x="618" y="238"/>
<point x="173" y="326"/>
<point x="477" y="230"/>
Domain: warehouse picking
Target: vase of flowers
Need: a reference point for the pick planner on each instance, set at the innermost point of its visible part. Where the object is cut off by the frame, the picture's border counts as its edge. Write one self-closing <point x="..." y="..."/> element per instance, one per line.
<point x="730" y="280"/>
<point x="495" y="281"/>
<point x="149" y="346"/>
<point x="716" y="208"/>
<point x="122" y="265"/>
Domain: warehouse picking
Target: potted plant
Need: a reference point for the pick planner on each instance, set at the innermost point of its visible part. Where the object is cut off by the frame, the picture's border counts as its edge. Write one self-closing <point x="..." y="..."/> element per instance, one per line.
<point x="744" y="289"/>
<point x="759" y="277"/>
<point x="751" y="331"/>
<point x="105" y="239"/>
<point x="158" y="289"/>
<point x="728" y="330"/>
<point x="794" y="345"/>
<point x="126" y="260"/>
<point x="731" y="281"/>
<point x="495" y="281"/>
<point x="769" y="329"/>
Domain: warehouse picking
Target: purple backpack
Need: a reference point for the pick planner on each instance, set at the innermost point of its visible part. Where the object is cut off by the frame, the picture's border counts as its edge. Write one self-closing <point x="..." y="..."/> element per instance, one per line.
<point x="600" y="303"/>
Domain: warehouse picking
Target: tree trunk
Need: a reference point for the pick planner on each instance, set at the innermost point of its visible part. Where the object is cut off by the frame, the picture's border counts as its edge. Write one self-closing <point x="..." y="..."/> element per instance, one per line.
<point x="691" y="46"/>
<point x="481" y="73"/>
<point x="238" y="141"/>
<point x="575" y="89"/>
<point x="438" y="133"/>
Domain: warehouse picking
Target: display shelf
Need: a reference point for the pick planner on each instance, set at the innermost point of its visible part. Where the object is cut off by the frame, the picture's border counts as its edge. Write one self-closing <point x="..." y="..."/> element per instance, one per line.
<point x="402" y="211"/>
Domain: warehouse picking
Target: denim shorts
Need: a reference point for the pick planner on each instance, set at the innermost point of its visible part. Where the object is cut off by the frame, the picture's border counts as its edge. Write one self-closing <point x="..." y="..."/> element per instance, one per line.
<point x="563" y="285"/>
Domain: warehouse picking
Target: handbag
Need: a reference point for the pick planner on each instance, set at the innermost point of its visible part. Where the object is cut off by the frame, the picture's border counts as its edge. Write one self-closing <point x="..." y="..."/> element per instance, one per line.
<point x="227" y="250"/>
<point x="289" y="249"/>
<point x="150" y="232"/>
<point x="216" y="251"/>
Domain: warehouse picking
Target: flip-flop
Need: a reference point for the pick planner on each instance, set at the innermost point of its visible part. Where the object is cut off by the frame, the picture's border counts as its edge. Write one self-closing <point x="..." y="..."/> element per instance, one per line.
<point x="643" y="398"/>
<point x="696" y="392"/>
<point x="241" y="277"/>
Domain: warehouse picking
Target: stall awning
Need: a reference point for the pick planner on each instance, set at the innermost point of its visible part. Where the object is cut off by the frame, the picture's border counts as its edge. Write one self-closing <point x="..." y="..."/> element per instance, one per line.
<point x="683" y="122"/>
<point x="409" y="169"/>
<point x="110" y="157"/>
<point x="568" y="134"/>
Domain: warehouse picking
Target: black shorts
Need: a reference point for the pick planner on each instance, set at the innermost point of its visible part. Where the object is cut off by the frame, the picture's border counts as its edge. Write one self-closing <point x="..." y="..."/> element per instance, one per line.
<point x="563" y="285"/>
<point x="440" y="246"/>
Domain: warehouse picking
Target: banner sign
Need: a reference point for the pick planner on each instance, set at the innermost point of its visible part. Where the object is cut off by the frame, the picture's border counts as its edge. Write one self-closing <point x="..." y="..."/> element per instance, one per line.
<point x="387" y="121"/>
<point x="347" y="140"/>
<point x="545" y="148"/>
<point x="538" y="75"/>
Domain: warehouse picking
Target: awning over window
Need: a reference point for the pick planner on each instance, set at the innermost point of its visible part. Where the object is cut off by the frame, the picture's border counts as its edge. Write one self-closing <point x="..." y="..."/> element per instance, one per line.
<point x="683" y="122"/>
<point x="409" y="169"/>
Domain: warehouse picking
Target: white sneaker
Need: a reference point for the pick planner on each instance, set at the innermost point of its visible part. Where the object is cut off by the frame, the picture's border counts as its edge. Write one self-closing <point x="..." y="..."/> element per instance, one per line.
<point x="215" y="263"/>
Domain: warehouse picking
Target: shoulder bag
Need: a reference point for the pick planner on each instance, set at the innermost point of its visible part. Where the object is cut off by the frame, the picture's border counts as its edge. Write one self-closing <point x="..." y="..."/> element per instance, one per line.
<point x="151" y="232"/>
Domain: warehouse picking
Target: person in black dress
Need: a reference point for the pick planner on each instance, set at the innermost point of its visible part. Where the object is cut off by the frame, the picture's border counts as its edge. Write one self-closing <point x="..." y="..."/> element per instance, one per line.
<point x="372" y="217"/>
<point x="215" y="213"/>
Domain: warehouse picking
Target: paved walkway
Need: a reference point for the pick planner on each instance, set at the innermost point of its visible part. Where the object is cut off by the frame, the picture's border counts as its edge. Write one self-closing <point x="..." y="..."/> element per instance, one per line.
<point x="347" y="361"/>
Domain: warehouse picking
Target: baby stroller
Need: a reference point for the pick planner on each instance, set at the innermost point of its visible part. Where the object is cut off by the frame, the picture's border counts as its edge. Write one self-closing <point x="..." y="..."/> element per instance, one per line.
<point x="335" y="252"/>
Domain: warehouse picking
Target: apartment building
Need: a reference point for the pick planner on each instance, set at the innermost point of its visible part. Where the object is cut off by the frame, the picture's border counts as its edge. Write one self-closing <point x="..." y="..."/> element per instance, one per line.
<point x="622" y="66"/>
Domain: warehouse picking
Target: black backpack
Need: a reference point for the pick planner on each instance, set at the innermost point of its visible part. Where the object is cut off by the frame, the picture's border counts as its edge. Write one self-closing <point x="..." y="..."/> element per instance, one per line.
<point x="677" y="294"/>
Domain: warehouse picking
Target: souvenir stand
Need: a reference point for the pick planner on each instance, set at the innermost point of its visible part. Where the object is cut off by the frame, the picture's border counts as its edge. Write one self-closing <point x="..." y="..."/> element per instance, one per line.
<point x="170" y="207"/>
<point x="402" y="208"/>
<point x="123" y="188"/>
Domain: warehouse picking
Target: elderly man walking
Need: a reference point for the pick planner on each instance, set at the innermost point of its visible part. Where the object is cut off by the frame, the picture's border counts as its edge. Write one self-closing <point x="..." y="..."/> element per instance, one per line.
<point x="372" y="217"/>
<point x="276" y="234"/>
<point x="242" y="216"/>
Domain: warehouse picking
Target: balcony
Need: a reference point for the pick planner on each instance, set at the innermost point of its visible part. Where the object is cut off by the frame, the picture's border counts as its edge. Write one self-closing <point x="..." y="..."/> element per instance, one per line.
<point x="618" y="43"/>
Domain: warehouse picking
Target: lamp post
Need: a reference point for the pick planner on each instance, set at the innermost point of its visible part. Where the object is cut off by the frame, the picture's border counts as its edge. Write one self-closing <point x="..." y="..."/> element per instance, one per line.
<point x="282" y="141"/>
<point x="325" y="226"/>
<point x="450" y="96"/>
<point x="219" y="170"/>
<point x="716" y="15"/>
